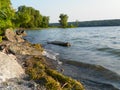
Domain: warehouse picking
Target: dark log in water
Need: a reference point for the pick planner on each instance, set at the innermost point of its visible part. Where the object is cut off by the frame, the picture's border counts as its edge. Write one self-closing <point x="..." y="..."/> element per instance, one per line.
<point x="60" y="43"/>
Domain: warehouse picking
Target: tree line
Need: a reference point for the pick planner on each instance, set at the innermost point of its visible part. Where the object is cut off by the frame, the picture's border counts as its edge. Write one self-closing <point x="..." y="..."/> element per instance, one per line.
<point x="113" y="22"/>
<point x="28" y="17"/>
<point x="25" y="17"/>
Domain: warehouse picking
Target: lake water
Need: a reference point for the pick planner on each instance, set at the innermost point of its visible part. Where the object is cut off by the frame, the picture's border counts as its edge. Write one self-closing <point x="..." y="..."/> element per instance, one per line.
<point x="94" y="51"/>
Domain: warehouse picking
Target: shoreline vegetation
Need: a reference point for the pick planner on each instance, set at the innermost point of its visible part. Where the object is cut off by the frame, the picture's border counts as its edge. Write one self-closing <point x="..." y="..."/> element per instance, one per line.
<point x="93" y="23"/>
<point x="38" y="69"/>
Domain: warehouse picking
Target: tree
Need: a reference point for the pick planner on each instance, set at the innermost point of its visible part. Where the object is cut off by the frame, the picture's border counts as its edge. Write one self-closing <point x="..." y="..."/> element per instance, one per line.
<point x="28" y="17"/>
<point x="24" y="18"/>
<point x="45" y="21"/>
<point x="63" y="20"/>
<point x="6" y="15"/>
<point x="76" y="23"/>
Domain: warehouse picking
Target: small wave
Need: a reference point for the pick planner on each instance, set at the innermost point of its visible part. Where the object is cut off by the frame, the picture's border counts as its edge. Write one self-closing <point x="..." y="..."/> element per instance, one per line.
<point x="110" y="50"/>
<point x="94" y="85"/>
<point x="52" y="55"/>
<point x="104" y="49"/>
<point x="96" y="73"/>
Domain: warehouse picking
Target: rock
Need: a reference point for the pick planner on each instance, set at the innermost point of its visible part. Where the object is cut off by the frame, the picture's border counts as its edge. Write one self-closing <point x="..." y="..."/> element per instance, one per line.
<point x="25" y="49"/>
<point x="2" y="47"/>
<point x="15" y="37"/>
<point x="9" y="67"/>
<point x="66" y="44"/>
<point x="21" y="32"/>
<point x="10" y="35"/>
<point x="19" y="38"/>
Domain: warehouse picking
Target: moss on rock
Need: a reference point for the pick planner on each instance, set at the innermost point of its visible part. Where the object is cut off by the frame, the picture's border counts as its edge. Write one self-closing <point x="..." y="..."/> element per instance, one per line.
<point x="53" y="80"/>
<point x="38" y="46"/>
<point x="65" y="81"/>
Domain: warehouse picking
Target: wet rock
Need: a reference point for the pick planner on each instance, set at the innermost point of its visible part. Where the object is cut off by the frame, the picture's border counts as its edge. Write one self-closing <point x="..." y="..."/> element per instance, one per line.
<point x="21" y="32"/>
<point x="25" y="49"/>
<point x="60" y="43"/>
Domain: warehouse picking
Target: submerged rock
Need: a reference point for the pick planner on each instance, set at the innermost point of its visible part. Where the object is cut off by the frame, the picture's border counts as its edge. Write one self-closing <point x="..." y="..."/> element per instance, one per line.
<point x="60" y="43"/>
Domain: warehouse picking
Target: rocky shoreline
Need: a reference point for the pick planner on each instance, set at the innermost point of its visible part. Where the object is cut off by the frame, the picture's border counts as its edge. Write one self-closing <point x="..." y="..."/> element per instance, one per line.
<point x="37" y="72"/>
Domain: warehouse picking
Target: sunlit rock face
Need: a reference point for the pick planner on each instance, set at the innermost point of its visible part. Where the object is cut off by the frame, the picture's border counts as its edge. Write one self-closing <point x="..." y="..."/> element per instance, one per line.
<point x="9" y="67"/>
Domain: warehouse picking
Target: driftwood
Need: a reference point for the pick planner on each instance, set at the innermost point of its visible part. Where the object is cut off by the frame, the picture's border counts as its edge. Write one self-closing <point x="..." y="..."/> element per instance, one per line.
<point x="60" y="43"/>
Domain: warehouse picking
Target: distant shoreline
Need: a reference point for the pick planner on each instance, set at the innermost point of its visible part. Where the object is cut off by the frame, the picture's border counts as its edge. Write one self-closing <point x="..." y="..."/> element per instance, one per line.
<point x="93" y="23"/>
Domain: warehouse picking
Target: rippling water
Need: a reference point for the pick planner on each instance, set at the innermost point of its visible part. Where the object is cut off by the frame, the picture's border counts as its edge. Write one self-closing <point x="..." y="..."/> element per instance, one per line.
<point x="93" y="48"/>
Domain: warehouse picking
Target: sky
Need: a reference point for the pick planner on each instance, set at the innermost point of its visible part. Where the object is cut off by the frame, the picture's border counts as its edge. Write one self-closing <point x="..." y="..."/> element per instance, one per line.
<point x="80" y="10"/>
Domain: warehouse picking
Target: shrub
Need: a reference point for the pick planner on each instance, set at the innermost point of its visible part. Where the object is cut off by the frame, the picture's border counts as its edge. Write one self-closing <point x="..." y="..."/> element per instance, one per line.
<point x="0" y="38"/>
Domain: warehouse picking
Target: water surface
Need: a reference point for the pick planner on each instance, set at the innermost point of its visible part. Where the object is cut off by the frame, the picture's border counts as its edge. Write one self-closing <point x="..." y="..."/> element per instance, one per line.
<point x="92" y="48"/>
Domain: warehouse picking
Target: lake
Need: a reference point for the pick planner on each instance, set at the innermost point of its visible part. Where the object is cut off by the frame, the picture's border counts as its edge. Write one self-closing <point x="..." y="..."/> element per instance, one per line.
<point x="94" y="54"/>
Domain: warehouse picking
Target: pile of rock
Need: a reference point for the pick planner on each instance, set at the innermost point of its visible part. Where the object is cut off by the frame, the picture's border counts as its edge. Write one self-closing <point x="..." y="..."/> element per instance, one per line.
<point x="29" y="56"/>
<point x="15" y="36"/>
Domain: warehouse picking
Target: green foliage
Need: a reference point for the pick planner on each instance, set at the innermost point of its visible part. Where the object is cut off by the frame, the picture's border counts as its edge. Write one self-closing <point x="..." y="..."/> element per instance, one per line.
<point x="6" y="15"/>
<point x="25" y="17"/>
<point x="45" y="21"/>
<point x="28" y="17"/>
<point x="0" y="38"/>
<point x="71" y="26"/>
<point x="22" y="19"/>
<point x="63" y="20"/>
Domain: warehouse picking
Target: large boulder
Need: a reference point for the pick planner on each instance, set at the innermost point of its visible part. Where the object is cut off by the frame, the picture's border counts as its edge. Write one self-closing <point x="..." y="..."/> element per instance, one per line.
<point x="9" y="67"/>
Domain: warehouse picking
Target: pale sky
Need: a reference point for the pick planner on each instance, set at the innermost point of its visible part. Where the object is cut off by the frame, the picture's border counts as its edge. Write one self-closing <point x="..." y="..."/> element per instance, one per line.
<point x="81" y="10"/>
